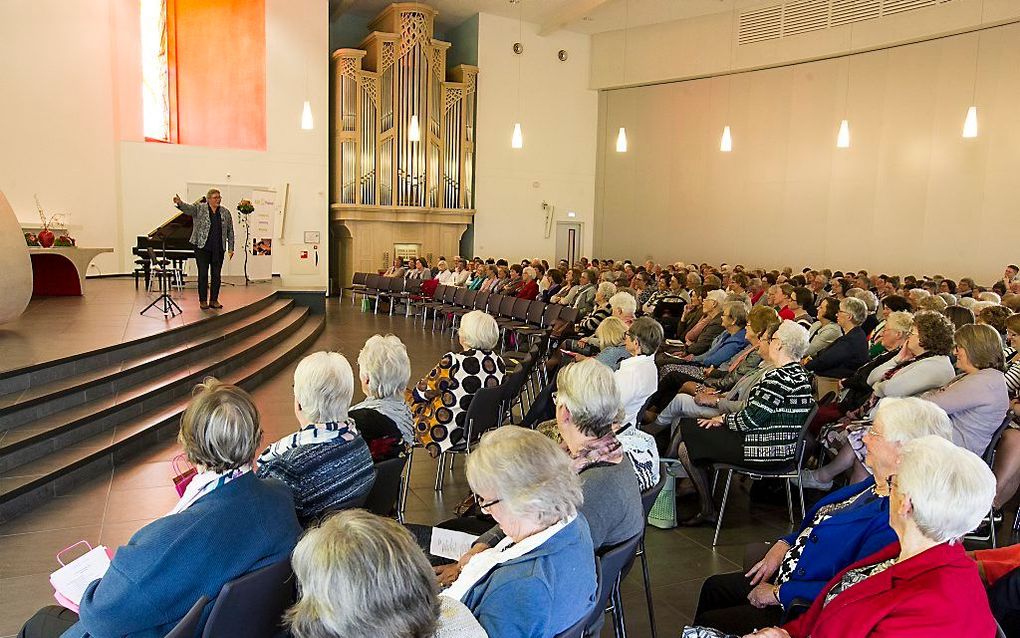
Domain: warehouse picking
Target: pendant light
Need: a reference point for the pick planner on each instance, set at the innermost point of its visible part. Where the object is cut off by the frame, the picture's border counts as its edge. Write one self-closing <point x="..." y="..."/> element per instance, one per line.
<point x="517" y="138"/>
<point x="970" y="124"/>
<point x="414" y="131"/>
<point x="726" y="143"/>
<point x="306" y="117"/>
<point x="843" y="137"/>
<point x="621" y="137"/>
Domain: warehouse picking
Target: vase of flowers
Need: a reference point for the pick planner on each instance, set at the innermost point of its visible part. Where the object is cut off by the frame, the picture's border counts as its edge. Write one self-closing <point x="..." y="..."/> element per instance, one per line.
<point x="46" y="236"/>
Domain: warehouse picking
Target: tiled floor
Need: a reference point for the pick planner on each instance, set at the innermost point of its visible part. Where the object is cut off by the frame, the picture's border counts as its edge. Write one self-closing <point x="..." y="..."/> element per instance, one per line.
<point x="111" y="508"/>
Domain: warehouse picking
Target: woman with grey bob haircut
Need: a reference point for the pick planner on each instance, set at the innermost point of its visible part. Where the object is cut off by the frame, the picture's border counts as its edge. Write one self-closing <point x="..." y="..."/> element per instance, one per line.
<point x="383" y="418"/>
<point x="539" y="578"/>
<point x="356" y="565"/>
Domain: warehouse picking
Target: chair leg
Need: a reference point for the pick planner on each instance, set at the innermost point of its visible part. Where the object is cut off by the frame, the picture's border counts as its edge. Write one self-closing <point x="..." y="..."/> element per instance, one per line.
<point x="789" y="502"/>
<point x="800" y="488"/>
<point x="439" y="472"/>
<point x="405" y="486"/>
<point x="648" y="588"/>
<point x="991" y="527"/>
<point x="722" y="507"/>
<point x="619" y="624"/>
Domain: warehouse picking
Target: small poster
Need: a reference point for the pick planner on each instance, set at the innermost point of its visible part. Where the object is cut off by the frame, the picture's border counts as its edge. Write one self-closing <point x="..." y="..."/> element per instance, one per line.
<point x="262" y="247"/>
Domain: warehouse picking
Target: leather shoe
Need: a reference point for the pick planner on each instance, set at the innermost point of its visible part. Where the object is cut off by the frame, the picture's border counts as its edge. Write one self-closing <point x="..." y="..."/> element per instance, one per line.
<point x="215" y="304"/>
<point x="699" y="520"/>
<point x="203" y="305"/>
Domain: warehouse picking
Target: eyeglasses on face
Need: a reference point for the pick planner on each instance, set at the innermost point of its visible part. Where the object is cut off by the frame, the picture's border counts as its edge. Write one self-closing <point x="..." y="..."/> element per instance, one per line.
<point x="482" y="505"/>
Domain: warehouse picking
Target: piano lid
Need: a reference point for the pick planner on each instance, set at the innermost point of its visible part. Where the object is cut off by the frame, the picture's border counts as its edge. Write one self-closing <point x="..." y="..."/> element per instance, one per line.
<point x="177" y="226"/>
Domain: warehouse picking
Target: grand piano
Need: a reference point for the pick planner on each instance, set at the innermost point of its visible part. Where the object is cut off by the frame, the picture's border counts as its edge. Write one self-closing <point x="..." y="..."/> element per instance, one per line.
<point x="169" y="242"/>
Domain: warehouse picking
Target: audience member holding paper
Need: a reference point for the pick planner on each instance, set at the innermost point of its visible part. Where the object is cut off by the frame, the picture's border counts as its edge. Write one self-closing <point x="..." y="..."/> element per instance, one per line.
<point x="227" y="524"/>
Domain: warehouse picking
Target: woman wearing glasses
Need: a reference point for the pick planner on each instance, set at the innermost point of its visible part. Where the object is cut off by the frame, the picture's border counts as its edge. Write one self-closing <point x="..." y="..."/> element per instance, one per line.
<point x="539" y="578"/>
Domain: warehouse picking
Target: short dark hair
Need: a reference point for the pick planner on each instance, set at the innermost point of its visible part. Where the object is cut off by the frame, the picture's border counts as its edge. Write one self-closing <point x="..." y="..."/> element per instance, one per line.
<point x="896" y="303"/>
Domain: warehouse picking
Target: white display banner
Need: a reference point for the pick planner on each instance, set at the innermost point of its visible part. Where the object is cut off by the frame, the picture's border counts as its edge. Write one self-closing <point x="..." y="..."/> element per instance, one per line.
<point x="261" y="239"/>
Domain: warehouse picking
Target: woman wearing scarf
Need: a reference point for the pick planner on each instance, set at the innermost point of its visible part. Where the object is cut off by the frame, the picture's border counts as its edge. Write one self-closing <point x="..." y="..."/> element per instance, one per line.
<point x="208" y="539"/>
<point x="326" y="463"/>
<point x="538" y="579"/>
<point x="383" y="418"/>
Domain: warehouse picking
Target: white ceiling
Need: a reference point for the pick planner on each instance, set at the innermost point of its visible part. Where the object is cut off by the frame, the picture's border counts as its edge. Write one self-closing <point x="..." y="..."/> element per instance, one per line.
<point x="583" y="16"/>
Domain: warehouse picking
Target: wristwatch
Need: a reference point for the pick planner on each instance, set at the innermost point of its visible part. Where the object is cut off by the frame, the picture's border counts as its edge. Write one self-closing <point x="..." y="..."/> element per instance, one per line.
<point x="775" y="592"/>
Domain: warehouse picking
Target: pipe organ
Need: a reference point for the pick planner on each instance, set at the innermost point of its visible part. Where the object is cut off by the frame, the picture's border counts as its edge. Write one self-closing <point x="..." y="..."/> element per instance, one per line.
<point x="402" y="143"/>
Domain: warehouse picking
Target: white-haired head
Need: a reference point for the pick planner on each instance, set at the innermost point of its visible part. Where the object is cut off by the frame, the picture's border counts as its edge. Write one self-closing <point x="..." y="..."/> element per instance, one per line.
<point x="323" y="387"/>
<point x="478" y="331"/>
<point x="384" y="367"/>
<point x="623" y="304"/>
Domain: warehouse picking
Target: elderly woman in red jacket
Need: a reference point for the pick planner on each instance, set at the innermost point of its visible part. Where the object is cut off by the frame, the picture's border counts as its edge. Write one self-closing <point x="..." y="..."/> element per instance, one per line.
<point x="925" y="585"/>
<point x="529" y="288"/>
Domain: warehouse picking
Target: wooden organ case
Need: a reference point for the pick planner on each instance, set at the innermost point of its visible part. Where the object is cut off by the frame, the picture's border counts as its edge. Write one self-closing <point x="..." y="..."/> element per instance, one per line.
<point x="387" y="187"/>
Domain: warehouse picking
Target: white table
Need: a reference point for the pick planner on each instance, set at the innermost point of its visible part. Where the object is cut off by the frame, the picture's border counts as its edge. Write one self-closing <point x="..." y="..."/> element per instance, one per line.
<point x="60" y="270"/>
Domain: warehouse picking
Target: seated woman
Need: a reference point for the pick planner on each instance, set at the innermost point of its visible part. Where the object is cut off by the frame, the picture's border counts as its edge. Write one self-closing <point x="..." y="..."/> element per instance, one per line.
<point x="727" y="345"/>
<point x="205" y="541"/>
<point x="636" y="377"/>
<point x="421" y="270"/>
<point x="848" y="352"/>
<point x="890" y="304"/>
<point x="841" y="529"/>
<point x="764" y="433"/>
<point x="1007" y="453"/>
<point x="826" y="330"/>
<point x="923" y="585"/>
<point x="439" y="402"/>
<point x="383" y="418"/>
<point x="623" y="307"/>
<point x="611" y="335"/>
<point x="326" y="463"/>
<point x="601" y="309"/>
<point x="584" y="298"/>
<point x="529" y="287"/>
<point x="960" y="316"/>
<point x="553" y="285"/>
<point x="444" y="275"/>
<point x="354" y="566"/>
<point x="396" y="268"/>
<point x="976" y="400"/>
<point x="699" y="337"/>
<point x="802" y="303"/>
<point x="568" y="290"/>
<point x="538" y="579"/>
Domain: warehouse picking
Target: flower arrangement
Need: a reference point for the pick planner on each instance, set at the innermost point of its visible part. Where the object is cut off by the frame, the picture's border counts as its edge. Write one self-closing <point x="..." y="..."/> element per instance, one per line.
<point x="245" y="207"/>
<point x="46" y="237"/>
<point x="31" y="239"/>
<point x="65" y="240"/>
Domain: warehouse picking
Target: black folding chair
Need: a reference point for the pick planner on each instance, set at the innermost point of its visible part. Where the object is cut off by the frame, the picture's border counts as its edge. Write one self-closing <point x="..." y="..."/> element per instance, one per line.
<point x="384" y="496"/>
<point x="187" y="627"/>
<point x="252" y="605"/>
<point x="482" y="416"/>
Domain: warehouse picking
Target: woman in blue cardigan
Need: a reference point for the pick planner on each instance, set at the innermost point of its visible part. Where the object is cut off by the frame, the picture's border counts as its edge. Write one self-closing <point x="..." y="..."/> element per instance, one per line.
<point x="228" y="523"/>
<point x="540" y="579"/>
<point x="841" y="529"/>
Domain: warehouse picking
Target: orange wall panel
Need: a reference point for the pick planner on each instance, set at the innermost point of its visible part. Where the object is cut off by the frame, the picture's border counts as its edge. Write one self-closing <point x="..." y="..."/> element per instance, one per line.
<point x="220" y="80"/>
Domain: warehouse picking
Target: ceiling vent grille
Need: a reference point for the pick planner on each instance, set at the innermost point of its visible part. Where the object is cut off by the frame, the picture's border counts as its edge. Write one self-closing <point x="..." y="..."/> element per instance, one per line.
<point x="803" y="16"/>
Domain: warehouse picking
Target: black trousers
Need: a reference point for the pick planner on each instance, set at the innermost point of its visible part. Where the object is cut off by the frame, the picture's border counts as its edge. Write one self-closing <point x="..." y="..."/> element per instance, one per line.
<point x="1004" y="598"/>
<point x="208" y="260"/>
<point x="723" y="605"/>
<point x="48" y="622"/>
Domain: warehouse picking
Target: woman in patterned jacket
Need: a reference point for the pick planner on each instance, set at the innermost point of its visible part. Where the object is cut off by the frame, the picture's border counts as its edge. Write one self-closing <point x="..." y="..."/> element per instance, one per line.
<point x="439" y="402"/>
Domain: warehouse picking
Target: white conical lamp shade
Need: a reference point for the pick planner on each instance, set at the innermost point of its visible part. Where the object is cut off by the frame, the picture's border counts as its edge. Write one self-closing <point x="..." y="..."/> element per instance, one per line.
<point x="726" y="143"/>
<point x="621" y="141"/>
<point x="843" y="137"/>
<point x="970" y="128"/>
<point x="306" y="116"/>
<point x="414" y="131"/>
<point x="517" y="139"/>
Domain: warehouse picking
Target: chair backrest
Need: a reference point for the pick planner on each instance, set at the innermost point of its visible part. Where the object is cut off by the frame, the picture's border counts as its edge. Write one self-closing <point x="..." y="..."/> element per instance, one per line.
<point x="382" y="498"/>
<point x="552" y="313"/>
<point x="482" y="300"/>
<point x="377" y="282"/>
<point x="397" y="284"/>
<point x="495" y="301"/>
<point x="506" y="307"/>
<point x="999" y="633"/>
<point x="440" y="292"/>
<point x="483" y="412"/>
<point x="648" y="496"/>
<point x="469" y="298"/>
<point x="515" y="382"/>
<point x="536" y="311"/>
<point x="568" y="314"/>
<point x="520" y="311"/>
<point x="413" y="286"/>
<point x="451" y="292"/>
<point x="989" y="455"/>
<point x="614" y="561"/>
<point x="359" y="278"/>
<point x="798" y="455"/>
<point x="458" y="296"/>
<point x="579" y="628"/>
<point x="253" y="604"/>
<point x="188" y="626"/>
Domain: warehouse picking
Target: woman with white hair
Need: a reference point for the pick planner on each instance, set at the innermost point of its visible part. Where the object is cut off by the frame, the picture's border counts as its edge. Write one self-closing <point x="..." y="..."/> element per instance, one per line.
<point x="699" y="337"/>
<point x="355" y="564"/>
<point x="208" y="539"/>
<point x="539" y="578"/>
<point x="602" y="309"/>
<point x="842" y="528"/>
<point x="850" y="351"/>
<point x="326" y="463"/>
<point x="445" y="276"/>
<point x="924" y="585"/>
<point x="764" y="433"/>
<point x="439" y="402"/>
<point x="383" y="418"/>
<point x="529" y="287"/>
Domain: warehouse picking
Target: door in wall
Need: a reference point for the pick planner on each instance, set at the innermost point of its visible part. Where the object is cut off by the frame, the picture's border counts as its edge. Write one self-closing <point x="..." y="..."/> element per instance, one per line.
<point x="568" y="241"/>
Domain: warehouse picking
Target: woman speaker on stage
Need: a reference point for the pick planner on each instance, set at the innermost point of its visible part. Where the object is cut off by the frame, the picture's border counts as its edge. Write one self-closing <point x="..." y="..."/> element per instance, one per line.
<point x="212" y="234"/>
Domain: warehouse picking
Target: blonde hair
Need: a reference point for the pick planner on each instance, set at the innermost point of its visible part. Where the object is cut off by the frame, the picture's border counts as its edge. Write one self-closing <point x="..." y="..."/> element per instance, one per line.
<point x="527" y="472"/>
<point x="220" y="428"/>
<point x="611" y="332"/>
<point x="353" y="566"/>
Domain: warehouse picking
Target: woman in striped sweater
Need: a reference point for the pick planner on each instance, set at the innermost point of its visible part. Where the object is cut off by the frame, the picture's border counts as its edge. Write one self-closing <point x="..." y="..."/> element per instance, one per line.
<point x="326" y="464"/>
<point x="764" y="433"/>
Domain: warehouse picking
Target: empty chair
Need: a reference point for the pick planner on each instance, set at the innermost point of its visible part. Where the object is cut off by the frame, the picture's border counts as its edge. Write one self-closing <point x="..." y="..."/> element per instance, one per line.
<point x="188" y="626"/>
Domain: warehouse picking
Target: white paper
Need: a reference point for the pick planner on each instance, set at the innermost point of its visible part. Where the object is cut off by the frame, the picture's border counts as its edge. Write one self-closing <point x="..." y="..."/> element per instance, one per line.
<point x="71" y="580"/>
<point x="447" y="543"/>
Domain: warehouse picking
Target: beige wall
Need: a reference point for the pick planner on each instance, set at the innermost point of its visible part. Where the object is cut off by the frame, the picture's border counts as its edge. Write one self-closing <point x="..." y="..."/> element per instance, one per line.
<point x="910" y="195"/>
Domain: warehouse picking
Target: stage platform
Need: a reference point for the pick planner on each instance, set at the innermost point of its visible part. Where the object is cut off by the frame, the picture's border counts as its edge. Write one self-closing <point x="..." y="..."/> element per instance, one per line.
<point x="55" y="328"/>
